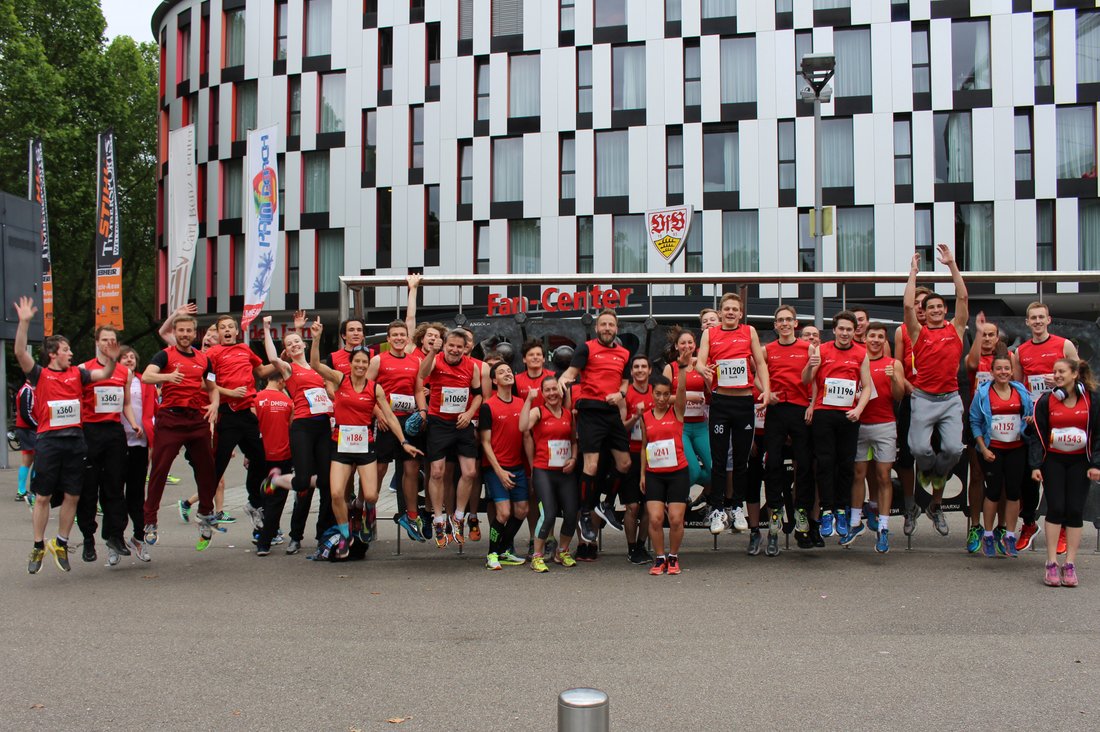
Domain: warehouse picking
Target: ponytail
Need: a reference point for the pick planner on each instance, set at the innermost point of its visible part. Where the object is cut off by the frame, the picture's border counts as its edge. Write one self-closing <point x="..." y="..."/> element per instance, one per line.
<point x="1000" y="353"/>
<point x="1085" y="377"/>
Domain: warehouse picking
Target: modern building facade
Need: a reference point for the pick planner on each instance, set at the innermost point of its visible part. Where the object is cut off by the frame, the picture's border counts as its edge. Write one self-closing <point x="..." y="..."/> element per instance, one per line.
<point x="528" y="136"/>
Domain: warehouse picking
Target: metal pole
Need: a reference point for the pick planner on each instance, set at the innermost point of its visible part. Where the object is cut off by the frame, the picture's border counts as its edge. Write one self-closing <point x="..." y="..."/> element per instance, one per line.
<point x="819" y="293"/>
<point x="583" y="710"/>
<point x="4" y="400"/>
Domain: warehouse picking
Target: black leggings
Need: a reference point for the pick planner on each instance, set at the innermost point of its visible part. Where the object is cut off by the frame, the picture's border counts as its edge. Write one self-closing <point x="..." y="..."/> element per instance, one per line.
<point x="835" y="439"/>
<point x="1066" y="485"/>
<point x="788" y="420"/>
<point x="137" y="468"/>
<point x="1005" y="476"/>
<point x="310" y="450"/>
<point x="731" y="420"/>
<point x="556" y="491"/>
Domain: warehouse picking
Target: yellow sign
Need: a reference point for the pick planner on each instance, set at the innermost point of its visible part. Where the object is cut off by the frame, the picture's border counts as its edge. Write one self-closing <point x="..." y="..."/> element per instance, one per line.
<point x="667" y="245"/>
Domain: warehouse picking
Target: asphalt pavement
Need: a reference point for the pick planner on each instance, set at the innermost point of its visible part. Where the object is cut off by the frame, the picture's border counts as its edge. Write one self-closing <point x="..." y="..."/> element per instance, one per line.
<point x="832" y="638"/>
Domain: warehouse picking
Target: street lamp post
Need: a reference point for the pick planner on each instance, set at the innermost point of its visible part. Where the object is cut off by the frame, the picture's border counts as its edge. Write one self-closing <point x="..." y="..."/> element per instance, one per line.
<point x="817" y="70"/>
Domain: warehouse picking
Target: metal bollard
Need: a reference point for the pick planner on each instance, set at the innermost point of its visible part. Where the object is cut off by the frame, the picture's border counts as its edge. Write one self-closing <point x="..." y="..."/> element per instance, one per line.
<point x="583" y="710"/>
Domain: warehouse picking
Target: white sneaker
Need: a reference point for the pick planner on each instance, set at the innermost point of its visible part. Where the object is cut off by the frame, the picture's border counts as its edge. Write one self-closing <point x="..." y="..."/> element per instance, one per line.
<point x="717" y="520"/>
<point x="739" y="521"/>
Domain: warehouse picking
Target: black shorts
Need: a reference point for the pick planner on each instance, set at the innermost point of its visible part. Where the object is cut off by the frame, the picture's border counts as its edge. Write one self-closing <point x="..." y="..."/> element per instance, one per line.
<point x="388" y="449"/>
<point x="446" y="439"/>
<point x="59" y="465"/>
<point x="598" y="429"/>
<point x="672" y="487"/>
<point x="630" y="490"/>
<point x="27" y="438"/>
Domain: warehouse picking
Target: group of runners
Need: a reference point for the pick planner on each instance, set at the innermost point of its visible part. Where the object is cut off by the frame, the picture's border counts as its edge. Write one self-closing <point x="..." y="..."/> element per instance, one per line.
<point x="724" y="413"/>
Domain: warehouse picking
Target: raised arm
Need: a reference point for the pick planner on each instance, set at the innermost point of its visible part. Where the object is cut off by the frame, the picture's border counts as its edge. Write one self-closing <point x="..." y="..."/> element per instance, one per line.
<point x="528" y="418"/>
<point x="974" y="355"/>
<point x="962" y="297"/>
<point x="166" y="329"/>
<point x="330" y="375"/>
<point x="26" y="310"/>
<point x="269" y="349"/>
<point x="410" y="307"/>
<point x="912" y="325"/>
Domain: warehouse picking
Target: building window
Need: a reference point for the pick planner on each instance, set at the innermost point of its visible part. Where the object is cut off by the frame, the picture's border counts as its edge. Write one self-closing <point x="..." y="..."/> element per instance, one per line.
<point x="524" y="248"/>
<point x="1088" y="48"/>
<point x="431" y="226"/>
<point x="482" y="90"/>
<point x="806" y="244"/>
<point x="434" y="60"/>
<point x="466" y="173"/>
<point x="693" y="75"/>
<point x="627" y="77"/>
<point x="584" y="81"/>
<point x="721" y="160"/>
<point x="673" y="11"/>
<point x="294" y="106"/>
<point x="523" y="85"/>
<point x="612" y="163"/>
<point x="718" y="9"/>
<point x="280" y="164"/>
<point x="483" y="263"/>
<point x="183" y="55"/>
<point x="693" y="247"/>
<point x="610" y="13"/>
<point x="970" y="54"/>
<point x="1076" y="142"/>
<point x="674" y="156"/>
<point x="974" y="236"/>
<point x="384" y="217"/>
<point x="585" y="255"/>
<point x="236" y="249"/>
<point x="922" y="68"/>
<point x="370" y="13"/>
<point x="922" y="236"/>
<point x="385" y="59"/>
<point x="738" y="70"/>
<point x="330" y="260"/>
<point x="370" y="142"/>
<point x="204" y="44"/>
<point x="232" y="191"/>
<point x="416" y="11"/>
<point x="233" y="54"/>
<point x="1044" y="62"/>
<point x="568" y="15"/>
<point x="315" y="182"/>
<point x="838" y="169"/>
<point x="1023" y="147"/>
<point x="1044" y="236"/>
<point x="416" y="137"/>
<point x="244" y="109"/>
<point x="1088" y="234"/>
<point x="332" y="103"/>
<point x="954" y="147"/>
<point x="292" y="262"/>
<point x="282" y="28"/>
<point x="629" y="242"/>
<point x="215" y="117"/>
<point x="507" y="169"/>
<point x="903" y="152"/>
<point x="855" y="239"/>
<point x="212" y="268"/>
<point x="507" y="18"/>
<point x="853" y="62"/>
<point x="787" y="168"/>
<point x="318" y="27"/>
<point x="568" y="166"/>
<point x="740" y="241"/>
<point x="465" y="20"/>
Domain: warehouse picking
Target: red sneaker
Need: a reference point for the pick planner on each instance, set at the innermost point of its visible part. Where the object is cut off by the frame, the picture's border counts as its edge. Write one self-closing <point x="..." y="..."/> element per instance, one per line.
<point x="1027" y="533"/>
<point x="1062" y="541"/>
<point x="658" y="567"/>
<point x="673" y="565"/>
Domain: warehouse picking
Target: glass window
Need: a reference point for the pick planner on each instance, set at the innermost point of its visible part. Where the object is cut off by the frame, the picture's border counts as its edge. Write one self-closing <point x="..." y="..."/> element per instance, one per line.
<point x="721" y="160"/>
<point x="922" y="70"/>
<point x="434" y="54"/>
<point x="315" y="182"/>
<point x="838" y="169"/>
<point x="693" y="76"/>
<point x="232" y="189"/>
<point x="903" y="153"/>
<point x="675" y="160"/>
<point x="483" y="250"/>
<point x="855" y="239"/>
<point x="627" y="77"/>
<point x="610" y="13"/>
<point x="787" y="169"/>
<point x="740" y="241"/>
<point x="832" y="4"/>
<point x="975" y="223"/>
<point x="507" y="169"/>
<point x="385" y="59"/>
<point x="673" y="12"/>
<point x="292" y="260"/>
<point x="384" y="218"/>
<point x="318" y="30"/>
<point x="568" y="19"/>
<point x="466" y="173"/>
<point x="1088" y="48"/>
<point x="568" y="167"/>
<point x="523" y="86"/>
<point x="738" y="70"/>
<point x="806" y="254"/>
<point x="416" y="127"/>
<point x="294" y="105"/>
<point x="280" y="163"/>
<point x="719" y="9"/>
<point x="507" y="17"/>
<point x="1075" y="129"/>
<point x="584" y="81"/>
<point x="234" y="37"/>
<point x="282" y="27"/>
<point x="245" y="98"/>
<point x="853" y="62"/>
<point x="970" y="54"/>
<point x="330" y="260"/>
<point x="482" y="90"/>
<point x="612" y="163"/>
<point x="1044" y="236"/>
<point x="465" y="20"/>
<point x="629" y="242"/>
<point x="431" y="226"/>
<point x="585" y="257"/>
<point x="954" y="147"/>
<point x="524" y="247"/>
<point x="183" y="54"/>
<point x="1043" y="61"/>
<point x="784" y="6"/>
<point x="332" y="103"/>
<point x="1088" y="234"/>
<point x="370" y="141"/>
<point x="922" y="236"/>
<point x="803" y="44"/>
<point x="1023" y="147"/>
<point x="693" y="247"/>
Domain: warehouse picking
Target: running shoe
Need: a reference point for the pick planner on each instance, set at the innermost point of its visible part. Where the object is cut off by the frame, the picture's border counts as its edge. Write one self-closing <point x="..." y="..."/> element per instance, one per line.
<point x="565" y="559"/>
<point x="255" y="514"/>
<point x="801" y="521"/>
<point x="60" y="553"/>
<point x="492" y="561"/>
<point x="458" y="528"/>
<point x="872" y="520"/>
<point x="606" y="511"/>
<point x="740" y="523"/>
<point x="660" y="566"/>
<point x="268" y="483"/>
<point x="20" y="495"/>
<point x="113" y="557"/>
<point x="221" y="517"/>
<point x="826" y="524"/>
<point x="475" y="528"/>
<point x="673" y="564"/>
<point x="262" y="551"/>
<point x="138" y="549"/>
<point x="278" y="538"/>
<point x="1010" y="546"/>
<point x="413" y="527"/>
<point x="911" y="516"/>
<point x="775" y="522"/>
<point x="1069" y="575"/>
<point x="1027" y="533"/>
<point x="853" y="532"/>
<point x="1062" y="541"/>
<point x="150" y="533"/>
<point x="509" y="559"/>
<point x="802" y="538"/>
<point x="999" y="542"/>
<point x="754" y="543"/>
<point x="717" y="519"/>
<point x="87" y="552"/>
<point x="206" y="530"/>
<point x="342" y="549"/>
<point x="34" y="561"/>
<point x="882" y="546"/>
<point x="31" y="498"/>
<point x="172" y="480"/>
<point x="989" y="546"/>
<point x="842" y="523"/>
<point x="441" y="538"/>
<point x="939" y="520"/>
<point x="538" y="564"/>
<point x="584" y="528"/>
<point x="815" y="536"/>
<point x="974" y="539"/>
<point x="1053" y="577"/>
<point x="772" y="549"/>
<point x="294" y="546"/>
<point x="550" y="548"/>
<point x="634" y="555"/>
<point x="185" y="510"/>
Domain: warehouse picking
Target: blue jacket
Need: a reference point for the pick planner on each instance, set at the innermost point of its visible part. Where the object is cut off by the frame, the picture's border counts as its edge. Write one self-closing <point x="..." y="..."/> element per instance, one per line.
<point x="981" y="416"/>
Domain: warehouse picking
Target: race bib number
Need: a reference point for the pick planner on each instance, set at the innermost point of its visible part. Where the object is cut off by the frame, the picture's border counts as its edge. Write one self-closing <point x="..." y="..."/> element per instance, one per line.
<point x="1037" y="385"/>
<point x="353" y="439"/>
<point x="454" y="400"/>
<point x="733" y="373"/>
<point x="1068" y="439"/>
<point x="1006" y="427"/>
<point x="839" y="392"/>
<point x="318" y="400"/>
<point x="983" y="377"/>
<point x="560" y="452"/>
<point x="696" y="404"/>
<point x="661" y="454"/>
<point x="64" y="413"/>
<point x="402" y="403"/>
<point x="636" y="432"/>
<point x="758" y="419"/>
<point x="108" y="399"/>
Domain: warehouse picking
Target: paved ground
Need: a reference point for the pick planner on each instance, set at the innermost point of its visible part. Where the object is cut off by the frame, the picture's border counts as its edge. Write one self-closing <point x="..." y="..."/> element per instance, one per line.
<point x="830" y="639"/>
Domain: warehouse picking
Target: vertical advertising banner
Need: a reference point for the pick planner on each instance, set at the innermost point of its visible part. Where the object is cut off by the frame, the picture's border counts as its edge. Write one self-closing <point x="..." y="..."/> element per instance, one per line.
<point x="36" y="191"/>
<point x="262" y="220"/>
<point x="183" y="214"/>
<point x="108" y="242"/>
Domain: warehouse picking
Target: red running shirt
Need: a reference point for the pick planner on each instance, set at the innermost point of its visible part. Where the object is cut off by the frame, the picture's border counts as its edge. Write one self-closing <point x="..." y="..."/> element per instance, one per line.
<point x="1037" y="361"/>
<point x="57" y="397"/>
<point x="234" y="366"/>
<point x="450" y="387"/>
<point x="553" y="438"/>
<point x="353" y="413"/>
<point x="907" y="353"/>
<point x="730" y="356"/>
<point x="633" y="399"/>
<point x="502" y="417"/>
<point x="983" y="374"/>
<point x="525" y="383"/>
<point x="936" y="357"/>
<point x="274" y="410"/>
<point x="103" y="400"/>
<point x="1007" y="419"/>
<point x="880" y="410"/>
<point x="307" y="389"/>
<point x="191" y="392"/>
<point x="397" y="377"/>
<point x="1069" y="426"/>
<point x="838" y="377"/>
<point x="697" y="395"/>
<point x="785" y="365"/>
<point x="603" y="369"/>
<point x="664" y="449"/>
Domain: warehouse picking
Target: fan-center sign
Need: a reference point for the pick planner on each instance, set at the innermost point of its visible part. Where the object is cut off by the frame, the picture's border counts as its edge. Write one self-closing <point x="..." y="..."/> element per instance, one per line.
<point x="554" y="300"/>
